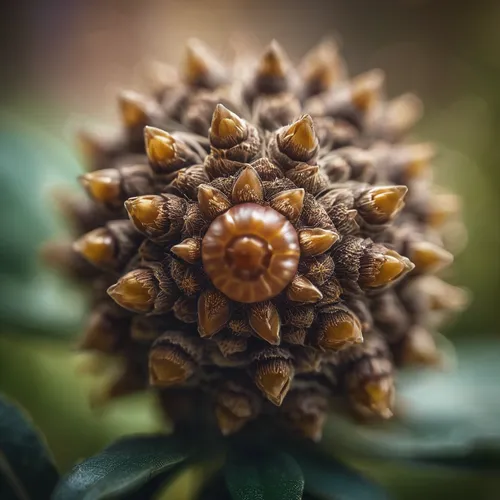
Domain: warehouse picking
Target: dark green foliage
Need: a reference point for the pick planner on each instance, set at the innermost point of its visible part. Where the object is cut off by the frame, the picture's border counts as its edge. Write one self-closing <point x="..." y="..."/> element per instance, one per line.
<point x="26" y="468"/>
<point x="123" y="468"/>
<point x="266" y="475"/>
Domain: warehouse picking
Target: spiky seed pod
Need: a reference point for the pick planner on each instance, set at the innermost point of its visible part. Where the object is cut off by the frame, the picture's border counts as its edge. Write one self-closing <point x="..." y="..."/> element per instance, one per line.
<point x="278" y="253"/>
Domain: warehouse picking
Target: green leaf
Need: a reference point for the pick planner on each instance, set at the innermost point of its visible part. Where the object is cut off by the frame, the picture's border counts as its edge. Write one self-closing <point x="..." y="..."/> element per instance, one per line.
<point x="26" y="468"/>
<point x="123" y="468"/>
<point x="328" y="479"/>
<point x="263" y="476"/>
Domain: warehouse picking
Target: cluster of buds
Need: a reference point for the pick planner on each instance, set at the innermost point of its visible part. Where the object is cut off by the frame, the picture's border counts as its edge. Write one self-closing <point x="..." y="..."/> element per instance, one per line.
<point x="264" y="239"/>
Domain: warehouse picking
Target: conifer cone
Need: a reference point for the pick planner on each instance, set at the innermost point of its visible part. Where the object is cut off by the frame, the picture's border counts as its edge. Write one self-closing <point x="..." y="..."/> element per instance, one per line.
<point x="266" y="239"/>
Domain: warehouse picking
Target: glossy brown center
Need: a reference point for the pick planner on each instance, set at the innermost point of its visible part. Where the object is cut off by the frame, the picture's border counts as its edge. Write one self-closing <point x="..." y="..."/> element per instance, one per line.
<point x="250" y="252"/>
<point x="248" y="256"/>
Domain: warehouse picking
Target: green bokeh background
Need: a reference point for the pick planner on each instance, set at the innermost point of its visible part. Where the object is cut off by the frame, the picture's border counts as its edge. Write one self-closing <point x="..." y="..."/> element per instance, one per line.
<point x="66" y="60"/>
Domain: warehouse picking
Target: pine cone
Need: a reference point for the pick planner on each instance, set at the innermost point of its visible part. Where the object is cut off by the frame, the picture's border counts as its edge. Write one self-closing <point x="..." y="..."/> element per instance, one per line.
<point x="265" y="239"/>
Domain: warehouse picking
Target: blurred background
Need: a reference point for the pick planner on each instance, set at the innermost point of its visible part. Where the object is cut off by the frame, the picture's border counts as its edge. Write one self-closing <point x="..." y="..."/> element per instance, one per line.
<point x="63" y="64"/>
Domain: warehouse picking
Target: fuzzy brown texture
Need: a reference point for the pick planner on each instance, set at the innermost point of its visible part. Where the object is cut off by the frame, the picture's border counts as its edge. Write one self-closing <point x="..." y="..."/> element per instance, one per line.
<point x="267" y="238"/>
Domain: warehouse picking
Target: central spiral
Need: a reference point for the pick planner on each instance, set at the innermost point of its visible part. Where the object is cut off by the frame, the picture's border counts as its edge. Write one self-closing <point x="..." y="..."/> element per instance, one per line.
<point x="250" y="252"/>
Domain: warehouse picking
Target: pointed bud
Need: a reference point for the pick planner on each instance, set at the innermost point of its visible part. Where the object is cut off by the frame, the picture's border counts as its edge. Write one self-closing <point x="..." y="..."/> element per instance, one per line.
<point x="188" y="180"/>
<point x="429" y="258"/>
<point x="398" y="116"/>
<point x="309" y="177"/>
<point x="388" y="267"/>
<point x="315" y="241"/>
<point x="103" y="185"/>
<point x="289" y="203"/>
<point x="302" y="290"/>
<point x="366" y="89"/>
<point x="371" y="388"/>
<point x="97" y="246"/>
<point x="443" y="296"/>
<point x="235" y="406"/>
<point x="298" y="140"/>
<point x="274" y="377"/>
<point x="419" y="349"/>
<point x="135" y="110"/>
<point x="248" y="187"/>
<point x="338" y="328"/>
<point x="106" y="329"/>
<point x="160" y="146"/>
<point x="212" y="202"/>
<point x="273" y="63"/>
<point x="304" y="412"/>
<point x="169" y="365"/>
<point x="214" y="312"/>
<point x="97" y="152"/>
<point x="381" y="204"/>
<point x="412" y="160"/>
<point x="188" y="250"/>
<point x="136" y="291"/>
<point x="442" y="208"/>
<point x="201" y="68"/>
<point x="265" y="321"/>
<point x="321" y="67"/>
<point x="227" y="129"/>
<point x="159" y="217"/>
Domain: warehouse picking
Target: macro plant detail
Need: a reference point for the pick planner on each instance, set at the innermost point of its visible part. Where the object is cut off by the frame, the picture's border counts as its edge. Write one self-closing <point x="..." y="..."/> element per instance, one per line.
<point x="262" y="242"/>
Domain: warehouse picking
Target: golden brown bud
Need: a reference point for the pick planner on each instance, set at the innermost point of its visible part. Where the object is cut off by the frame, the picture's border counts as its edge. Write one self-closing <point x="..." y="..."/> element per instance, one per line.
<point x="381" y="204"/>
<point x="212" y="201"/>
<point x="189" y="179"/>
<point x="309" y="177"/>
<point x="338" y="328"/>
<point x="214" y="312"/>
<point x="136" y="291"/>
<point x="429" y="258"/>
<point x="201" y="68"/>
<point x="315" y="241"/>
<point x="136" y="111"/>
<point x="235" y="406"/>
<point x="366" y="89"/>
<point x="419" y="349"/>
<point x="97" y="151"/>
<point x="442" y="208"/>
<point x="302" y="290"/>
<point x="265" y="321"/>
<point x="248" y="187"/>
<point x="274" y="377"/>
<point x="160" y="217"/>
<point x="169" y="365"/>
<point x="304" y="412"/>
<point x="167" y="153"/>
<point x="273" y="63"/>
<point x="371" y="388"/>
<point x="188" y="250"/>
<point x="289" y="203"/>
<point x="388" y="267"/>
<point x="227" y="128"/>
<point x="97" y="246"/>
<point x="160" y="145"/>
<point x="298" y="140"/>
<point x="321" y="67"/>
<point x="103" y="185"/>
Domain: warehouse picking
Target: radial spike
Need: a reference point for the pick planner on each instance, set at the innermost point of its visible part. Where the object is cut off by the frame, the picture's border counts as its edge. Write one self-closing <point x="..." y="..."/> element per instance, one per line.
<point x="315" y="241"/>
<point x="248" y="187"/>
<point x="302" y="290"/>
<point x="289" y="203"/>
<point x="214" y="312"/>
<point x="212" y="201"/>
<point x="265" y="321"/>
<point x="188" y="250"/>
<point x="274" y="377"/>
